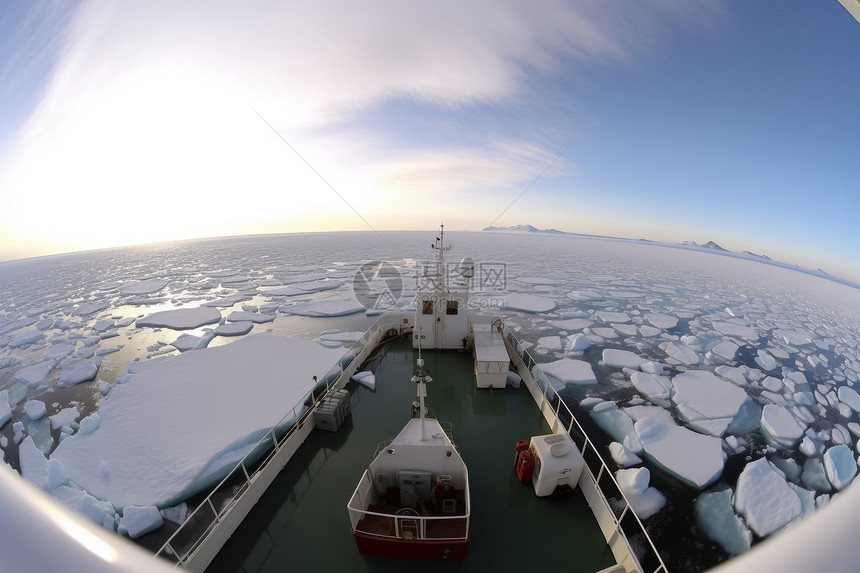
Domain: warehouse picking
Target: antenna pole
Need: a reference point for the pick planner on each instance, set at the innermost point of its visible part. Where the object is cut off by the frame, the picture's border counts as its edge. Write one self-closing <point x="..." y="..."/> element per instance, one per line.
<point x="422" y="389"/>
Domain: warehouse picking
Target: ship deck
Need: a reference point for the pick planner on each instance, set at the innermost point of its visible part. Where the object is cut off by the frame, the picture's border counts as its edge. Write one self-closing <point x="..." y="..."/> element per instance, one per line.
<point x="301" y="522"/>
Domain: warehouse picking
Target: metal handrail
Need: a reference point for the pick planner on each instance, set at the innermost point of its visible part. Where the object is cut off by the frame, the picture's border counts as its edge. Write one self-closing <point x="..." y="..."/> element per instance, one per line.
<point x="587" y="444"/>
<point x="269" y="439"/>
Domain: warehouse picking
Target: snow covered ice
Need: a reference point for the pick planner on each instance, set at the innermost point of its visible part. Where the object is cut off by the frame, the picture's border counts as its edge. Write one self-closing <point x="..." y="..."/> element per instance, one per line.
<point x="568" y="371"/>
<point x="684" y="359"/>
<point x="181" y="318"/>
<point x="693" y="458"/>
<point x="707" y="402"/>
<point x="175" y="455"/>
<point x="765" y="499"/>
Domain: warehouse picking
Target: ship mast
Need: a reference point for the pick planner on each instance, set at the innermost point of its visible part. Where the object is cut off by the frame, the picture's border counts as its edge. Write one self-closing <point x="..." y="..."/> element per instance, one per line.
<point x="421" y="378"/>
<point x="439" y="245"/>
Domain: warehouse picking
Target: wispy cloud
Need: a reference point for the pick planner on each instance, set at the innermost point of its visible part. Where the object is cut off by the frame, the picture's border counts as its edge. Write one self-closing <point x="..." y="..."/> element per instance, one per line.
<point x="147" y="114"/>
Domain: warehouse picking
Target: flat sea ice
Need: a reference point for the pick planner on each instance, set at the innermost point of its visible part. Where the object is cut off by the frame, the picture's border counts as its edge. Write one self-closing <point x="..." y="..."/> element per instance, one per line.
<point x="181" y="318"/>
<point x="691" y="457"/>
<point x="572" y="323"/>
<point x="327" y="307"/>
<point x="725" y="350"/>
<point x="24" y="338"/>
<point x="148" y="286"/>
<point x="610" y="317"/>
<point x="765" y="499"/>
<point x="736" y="330"/>
<point x="5" y="410"/>
<point x="365" y="378"/>
<point x="849" y="397"/>
<point x="244" y="316"/>
<point x="840" y="466"/>
<point x="181" y="445"/>
<point x="780" y="425"/>
<point x="622" y="358"/>
<point x="662" y="321"/>
<point x="706" y="401"/>
<point x="617" y="424"/>
<point x="59" y="350"/>
<point x="681" y="352"/>
<point x="714" y="514"/>
<point x="77" y="373"/>
<point x="653" y="387"/>
<point x="234" y="328"/>
<point x="569" y="371"/>
<point x="34" y="376"/>
<point x="528" y="303"/>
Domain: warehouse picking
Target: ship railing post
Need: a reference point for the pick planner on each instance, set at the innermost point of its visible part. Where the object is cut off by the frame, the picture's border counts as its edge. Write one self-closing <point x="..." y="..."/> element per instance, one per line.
<point x="212" y="507"/>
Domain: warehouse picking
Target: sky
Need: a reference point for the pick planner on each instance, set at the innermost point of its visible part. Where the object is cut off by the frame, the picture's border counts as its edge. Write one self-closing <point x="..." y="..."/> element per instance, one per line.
<point x="132" y="122"/>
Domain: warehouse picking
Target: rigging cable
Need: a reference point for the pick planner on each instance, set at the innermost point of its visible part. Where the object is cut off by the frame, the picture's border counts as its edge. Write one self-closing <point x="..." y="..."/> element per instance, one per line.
<point x="541" y="174"/>
<point x="318" y="174"/>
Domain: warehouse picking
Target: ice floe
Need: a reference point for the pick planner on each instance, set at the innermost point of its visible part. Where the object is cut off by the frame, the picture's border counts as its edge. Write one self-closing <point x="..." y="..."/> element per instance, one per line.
<point x="34" y="376"/>
<point x="572" y="323"/>
<point x="737" y="330"/>
<point x="622" y="358"/>
<point x="172" y="457"/>
<point x="662" y="321"/>
<point x="681" y="353"/>
<point x="181" y="318"/>
<point x="35" y="409"/>
<point x="617" y="424"/>
<point x="365" y="378"/>
<point x="138" y="520"/>
<point x="77" y="373"/>
<point x="528" y="303"/>
<point x="716" y="516"/>
<point x="234" y="328"/>
<point x="623" y="456"/>
<point x="327" y="307"/>
<point x="148" y="286"/>
<point x="244" y="316"/>
<point x="301" y="288"/>
<point x="611" y="317"/>
<point x="5" y="409"/>
<point x="654" y="387"/>
<point x="568" y="371"/>
<point x="707" y="402"/>
<point x="780" y="426"/>
<point x="693" y="458"/>
<point x="645" y="500"/>
<point x="840" y="466"/>
<point x="24" y="338"/>
<point x="765" y="499"/>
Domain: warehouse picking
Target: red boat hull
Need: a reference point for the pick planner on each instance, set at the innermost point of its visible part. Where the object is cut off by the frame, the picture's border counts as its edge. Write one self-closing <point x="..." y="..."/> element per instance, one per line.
<point x="411" y="549"/>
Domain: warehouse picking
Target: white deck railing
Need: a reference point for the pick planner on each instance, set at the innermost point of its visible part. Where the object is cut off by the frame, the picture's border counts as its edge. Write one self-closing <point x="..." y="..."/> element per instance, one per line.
<point x="360" y="500"/>
<point x="199" y="538"/>
<point x="619" y="524"/>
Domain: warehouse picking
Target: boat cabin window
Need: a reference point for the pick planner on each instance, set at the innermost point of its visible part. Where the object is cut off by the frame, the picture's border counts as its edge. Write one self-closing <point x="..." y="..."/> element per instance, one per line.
<point x="428" y="307"/>
<point x="452" y="307"/>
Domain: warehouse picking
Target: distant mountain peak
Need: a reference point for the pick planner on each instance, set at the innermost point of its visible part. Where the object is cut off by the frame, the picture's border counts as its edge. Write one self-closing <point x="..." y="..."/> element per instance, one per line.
<point x="708" y="245"/>
<point x="522" y="229"/>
